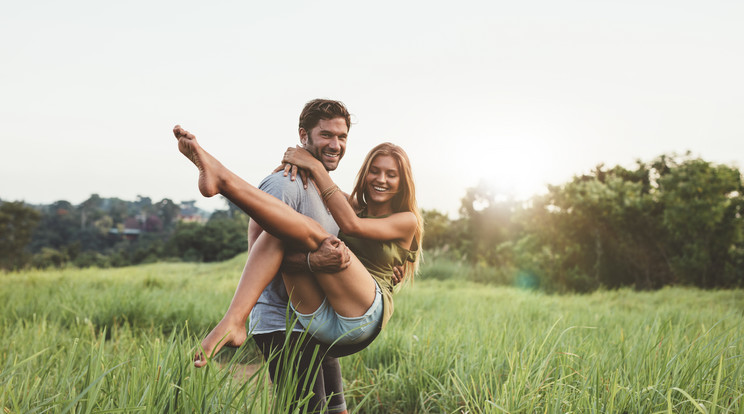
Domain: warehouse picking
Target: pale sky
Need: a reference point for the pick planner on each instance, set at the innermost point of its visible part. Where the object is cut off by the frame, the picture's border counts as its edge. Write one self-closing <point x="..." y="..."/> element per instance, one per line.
<point x="517" y="94"/>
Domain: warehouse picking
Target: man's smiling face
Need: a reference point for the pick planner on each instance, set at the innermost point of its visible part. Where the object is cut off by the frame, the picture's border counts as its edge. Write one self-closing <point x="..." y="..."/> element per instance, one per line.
<point x="326" y="141"/>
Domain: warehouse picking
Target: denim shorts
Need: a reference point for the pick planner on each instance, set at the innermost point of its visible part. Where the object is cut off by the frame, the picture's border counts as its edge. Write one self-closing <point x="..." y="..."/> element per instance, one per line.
<point x="329" y="327"/>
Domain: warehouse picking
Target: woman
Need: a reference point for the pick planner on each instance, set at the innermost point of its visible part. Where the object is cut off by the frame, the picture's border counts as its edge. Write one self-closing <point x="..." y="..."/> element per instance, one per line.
<point x="351" y="306"/>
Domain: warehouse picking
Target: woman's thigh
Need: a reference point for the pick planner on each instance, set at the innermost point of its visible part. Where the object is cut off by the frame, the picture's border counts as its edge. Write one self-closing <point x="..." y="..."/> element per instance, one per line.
<point x="350" y="292"/>
<point x="329" y="327"/>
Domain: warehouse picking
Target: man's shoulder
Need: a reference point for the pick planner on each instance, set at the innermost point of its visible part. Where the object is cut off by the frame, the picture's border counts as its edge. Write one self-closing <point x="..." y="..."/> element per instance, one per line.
<point x="277" y="182"/>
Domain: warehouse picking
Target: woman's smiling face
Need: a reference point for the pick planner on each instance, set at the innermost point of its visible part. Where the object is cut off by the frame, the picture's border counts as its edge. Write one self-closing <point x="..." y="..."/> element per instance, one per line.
<point x="382" y="180"/>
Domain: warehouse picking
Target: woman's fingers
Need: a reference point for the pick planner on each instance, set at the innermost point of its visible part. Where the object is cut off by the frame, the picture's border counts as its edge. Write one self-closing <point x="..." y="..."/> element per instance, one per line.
<point x="294" y="172"/>
<point x="397" y="275"/>
<point x="285" y="166"/>
<point x="292" y="164"/>
<point x="303" y="177"/>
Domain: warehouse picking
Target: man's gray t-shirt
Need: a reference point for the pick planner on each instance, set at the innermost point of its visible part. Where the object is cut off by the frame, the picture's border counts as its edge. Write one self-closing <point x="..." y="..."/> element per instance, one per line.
<point x="269" y="314"/>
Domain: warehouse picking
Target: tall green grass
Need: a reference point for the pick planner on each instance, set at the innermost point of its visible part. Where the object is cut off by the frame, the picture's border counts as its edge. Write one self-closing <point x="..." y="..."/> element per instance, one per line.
<point x="466" y="346"/>
<point x="122" y="340"/>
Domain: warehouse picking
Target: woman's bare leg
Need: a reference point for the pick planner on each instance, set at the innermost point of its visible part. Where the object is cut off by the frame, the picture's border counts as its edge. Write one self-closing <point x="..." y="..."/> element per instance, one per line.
<point x="268" y="211"/>
<point x="262" y="265"/>
<point x="350" y="292"/>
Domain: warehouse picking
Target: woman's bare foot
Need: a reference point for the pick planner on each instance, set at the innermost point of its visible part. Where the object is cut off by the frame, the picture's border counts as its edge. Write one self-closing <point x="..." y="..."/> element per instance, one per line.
<point x="209" y="167"/>
<point x="226" y="333"/>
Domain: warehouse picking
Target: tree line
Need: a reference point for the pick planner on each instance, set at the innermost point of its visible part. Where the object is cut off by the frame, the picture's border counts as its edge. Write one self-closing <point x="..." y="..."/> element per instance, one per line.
<point x="108" y="232"/>
<point x="676" y="220"/>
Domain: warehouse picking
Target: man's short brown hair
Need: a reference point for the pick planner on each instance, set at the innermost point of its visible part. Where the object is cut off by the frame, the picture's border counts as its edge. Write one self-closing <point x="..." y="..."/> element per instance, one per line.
<point x="318" y="109"/>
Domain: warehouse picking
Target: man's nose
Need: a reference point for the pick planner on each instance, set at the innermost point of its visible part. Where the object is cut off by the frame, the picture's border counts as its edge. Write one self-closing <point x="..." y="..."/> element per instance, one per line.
<point x="333" y="143"/>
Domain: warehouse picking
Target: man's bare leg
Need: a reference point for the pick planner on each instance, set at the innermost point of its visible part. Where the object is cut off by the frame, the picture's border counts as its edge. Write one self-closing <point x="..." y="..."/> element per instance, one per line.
<point x="263" y="263"/>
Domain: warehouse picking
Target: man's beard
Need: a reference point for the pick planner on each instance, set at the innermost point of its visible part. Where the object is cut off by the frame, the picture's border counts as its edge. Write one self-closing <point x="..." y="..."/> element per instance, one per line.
<point x="318" y="154"/>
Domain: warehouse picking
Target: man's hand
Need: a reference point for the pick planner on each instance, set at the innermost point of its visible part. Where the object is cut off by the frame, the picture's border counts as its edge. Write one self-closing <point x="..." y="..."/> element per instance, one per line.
<point x="398" y="275"/>
<point x="331" y="257"/>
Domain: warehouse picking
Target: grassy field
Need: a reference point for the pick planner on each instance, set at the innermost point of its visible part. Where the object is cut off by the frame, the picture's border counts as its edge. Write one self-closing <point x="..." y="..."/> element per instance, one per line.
<point x="121" y="340"/>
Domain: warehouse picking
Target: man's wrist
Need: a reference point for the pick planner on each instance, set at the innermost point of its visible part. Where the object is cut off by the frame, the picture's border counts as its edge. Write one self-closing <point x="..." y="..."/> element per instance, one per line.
<point x="294" y="262"/>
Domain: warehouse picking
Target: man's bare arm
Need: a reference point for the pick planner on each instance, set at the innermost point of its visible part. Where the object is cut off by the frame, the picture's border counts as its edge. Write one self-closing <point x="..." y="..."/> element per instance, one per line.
<point x="332" y="256"/>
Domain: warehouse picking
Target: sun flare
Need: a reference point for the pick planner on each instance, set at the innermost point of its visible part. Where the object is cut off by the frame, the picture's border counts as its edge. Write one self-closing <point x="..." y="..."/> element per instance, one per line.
<point x="517" y="168"/>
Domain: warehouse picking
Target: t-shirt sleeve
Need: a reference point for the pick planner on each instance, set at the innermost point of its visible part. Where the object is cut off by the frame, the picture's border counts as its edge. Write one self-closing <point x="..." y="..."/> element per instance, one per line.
<point x="281" y="187"/>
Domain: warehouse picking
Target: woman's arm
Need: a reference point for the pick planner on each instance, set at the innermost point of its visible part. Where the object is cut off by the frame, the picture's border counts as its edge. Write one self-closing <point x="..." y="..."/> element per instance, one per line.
<point x="397" y="226"/>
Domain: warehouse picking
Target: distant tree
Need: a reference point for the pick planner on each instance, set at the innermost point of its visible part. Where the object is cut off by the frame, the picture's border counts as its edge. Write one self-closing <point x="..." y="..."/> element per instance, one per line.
<point x="59" y="226"/>
<point x="49" y="257"/>
<point x="597" y="230"/>
<point x="168" y="211"/>
<point x="438" y="230"/>
<point x="186" y="242"/>
<point x="143" y="203"/>
<point x="224" y="238"/>
<point x="17" y="224"/>
<point x="120" y="210"/>
<point x="675" y="220"/>
<point x="703" y="206"/>
<point x="90" y="210"/>
<point x="486" y="222"/>
<point x="221" y="238"/>
<point x="103" y="224"/>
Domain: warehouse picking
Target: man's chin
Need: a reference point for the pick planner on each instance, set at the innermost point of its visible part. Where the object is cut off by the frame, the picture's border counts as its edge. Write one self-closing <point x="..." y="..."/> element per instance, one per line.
<point x="330" y="166"/>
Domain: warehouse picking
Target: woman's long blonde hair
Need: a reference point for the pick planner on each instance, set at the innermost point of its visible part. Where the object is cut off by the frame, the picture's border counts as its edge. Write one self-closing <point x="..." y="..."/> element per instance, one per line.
<point x="404" y="200"/>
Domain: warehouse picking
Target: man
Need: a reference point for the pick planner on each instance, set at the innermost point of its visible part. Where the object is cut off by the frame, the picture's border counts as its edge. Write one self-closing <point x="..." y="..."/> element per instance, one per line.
<point x="323" y="128"/>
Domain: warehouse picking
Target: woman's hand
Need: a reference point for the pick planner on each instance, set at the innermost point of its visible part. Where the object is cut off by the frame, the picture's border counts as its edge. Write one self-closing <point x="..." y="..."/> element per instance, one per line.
<point x="398" y="275"/>
<point x="298" y="160"/>
<point x="300" y="157"/>
<point x="293" y="170"/>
